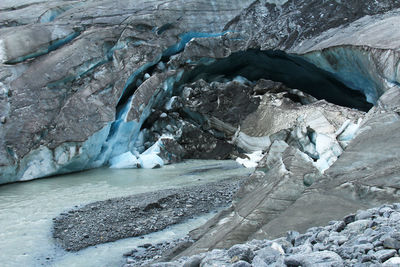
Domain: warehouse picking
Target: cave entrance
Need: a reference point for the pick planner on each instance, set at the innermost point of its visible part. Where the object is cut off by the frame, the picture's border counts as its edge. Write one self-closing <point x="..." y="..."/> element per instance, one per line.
<point x="293" y="71"/>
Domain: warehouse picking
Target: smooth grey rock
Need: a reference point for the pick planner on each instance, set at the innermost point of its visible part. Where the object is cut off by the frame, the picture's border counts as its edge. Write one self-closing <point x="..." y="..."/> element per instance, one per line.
<point x="243" y="252"/>
<point x="395" y="261"/>
<point x="384" y="255"/>
<point x="321" y="236"/>
<point x="391" y="243"/>
<point x="394" y="217"/>
<point x="266" y="257"/>
<point x="357" y="226"/>
<point x="301" y="239"/>
<point x="165" y="264"/>
<point x="321" y="258"/>
<point x="215" y="258"/>
<point x="305" y="248"/>
<point x="395" y="235"/>
<point x="241" y="264"/>
<point x="362" y="215"/>
<point x="193" y="261"/>
<point x="338" y="239"/>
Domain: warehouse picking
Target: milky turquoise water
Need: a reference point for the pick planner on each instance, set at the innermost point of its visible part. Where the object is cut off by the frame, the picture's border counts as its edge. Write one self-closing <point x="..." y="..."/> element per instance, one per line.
<point x="27" y="210"/>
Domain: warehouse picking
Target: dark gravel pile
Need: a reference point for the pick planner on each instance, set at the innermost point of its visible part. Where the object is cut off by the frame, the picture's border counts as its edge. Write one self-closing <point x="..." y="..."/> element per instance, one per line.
<point x="147" y="253"/>
<point x="137" y="215"/>
<point x="367" y="238"/>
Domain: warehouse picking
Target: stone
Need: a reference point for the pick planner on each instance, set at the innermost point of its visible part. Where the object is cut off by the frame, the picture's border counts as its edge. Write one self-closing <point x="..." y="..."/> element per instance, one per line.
<point x="362" y="215"/>
<point x="241" y="264"/>
<point x="301" y="239"/>
<point x="339" y="226"/>
<point x="321" y="236"/>
<point x="291" y="236"/>
<point x="320" y="258"/>
<point x="164" y="264"/>
<point x="349" y="218"/>
<point x="193" y="261"/>
<point x="391" y="243"/>
<point x="215" y="258"/>
<point x="384" y="255"/>
<point x="243" y="252"/>
<point x="338" y="239"/>
<point x="357" y="226"/>
<point x="266" y="257"/>
<point x="305" y="248"/>
<point x="395" y="235"/>
<point x="395" y="261"/>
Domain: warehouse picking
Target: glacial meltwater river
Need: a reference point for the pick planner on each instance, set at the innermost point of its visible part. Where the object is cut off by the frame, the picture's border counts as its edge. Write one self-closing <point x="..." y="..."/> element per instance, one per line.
<point x="27" y="210"/>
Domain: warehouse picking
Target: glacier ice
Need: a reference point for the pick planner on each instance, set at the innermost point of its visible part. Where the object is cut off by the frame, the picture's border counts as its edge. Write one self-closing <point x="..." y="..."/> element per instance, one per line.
<point x="150" y="158"/>
<point x="252" y="159"/>
<point x="186" y="38"/>
<point x="42" y="162"/>
<point x="361" y="78"/>
<point x="150" y="161"/>
<point x="124" y="161"/>
<point x="250" y="143"/>
<point x="125" y="136"/>
<point x="169" y="105"/>
<point x="349" y="131"/>
<point x="67" y="157"/>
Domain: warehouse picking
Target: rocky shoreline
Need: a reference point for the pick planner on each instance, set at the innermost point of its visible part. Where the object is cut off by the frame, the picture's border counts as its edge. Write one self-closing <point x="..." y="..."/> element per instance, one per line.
<point x="137" y="215"/>
<point x="147" y="254"/>
<point x="366" y="238"/>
